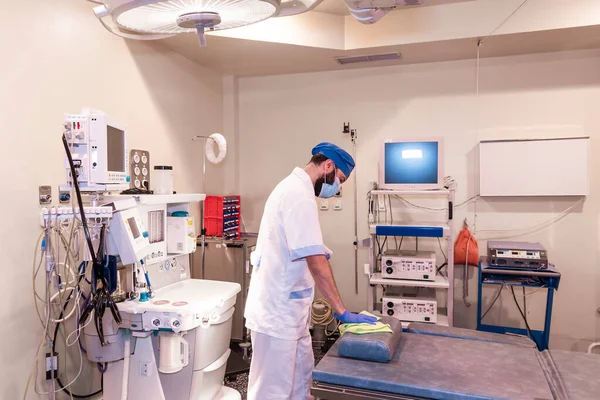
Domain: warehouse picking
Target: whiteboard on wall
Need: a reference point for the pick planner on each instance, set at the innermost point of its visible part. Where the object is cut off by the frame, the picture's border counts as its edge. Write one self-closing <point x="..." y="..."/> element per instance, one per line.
<point x="545" y="167"/>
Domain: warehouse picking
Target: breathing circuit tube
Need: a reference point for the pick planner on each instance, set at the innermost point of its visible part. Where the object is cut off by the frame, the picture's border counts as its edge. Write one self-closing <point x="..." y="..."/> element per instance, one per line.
<point x="221" y="145"/>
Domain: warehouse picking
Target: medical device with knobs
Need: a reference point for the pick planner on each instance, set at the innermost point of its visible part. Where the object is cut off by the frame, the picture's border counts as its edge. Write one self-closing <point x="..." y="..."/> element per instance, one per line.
<point x="415" y="309"/>
<point x="420" y="266"/>
<point x="140" y="169"/>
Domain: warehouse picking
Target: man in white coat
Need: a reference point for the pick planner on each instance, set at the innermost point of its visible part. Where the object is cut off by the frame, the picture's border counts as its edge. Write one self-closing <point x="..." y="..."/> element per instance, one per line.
<point x="289" y="258"/>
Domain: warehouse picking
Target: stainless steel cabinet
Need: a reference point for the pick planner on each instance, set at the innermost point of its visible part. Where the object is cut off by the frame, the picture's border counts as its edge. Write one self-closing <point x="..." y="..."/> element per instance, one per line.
<point x="228" y="260"/>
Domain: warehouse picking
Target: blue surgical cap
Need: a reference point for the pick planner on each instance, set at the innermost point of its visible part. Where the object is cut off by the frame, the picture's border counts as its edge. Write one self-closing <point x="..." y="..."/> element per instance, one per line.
<point x="340" y="157"/>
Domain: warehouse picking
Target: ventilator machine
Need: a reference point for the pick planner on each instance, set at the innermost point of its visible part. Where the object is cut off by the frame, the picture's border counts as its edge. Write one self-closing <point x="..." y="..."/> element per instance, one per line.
<point x="154" y="332"/>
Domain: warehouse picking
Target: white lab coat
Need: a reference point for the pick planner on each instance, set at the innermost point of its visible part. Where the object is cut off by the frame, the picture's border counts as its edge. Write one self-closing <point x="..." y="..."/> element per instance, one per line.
<point x="282" y="290"/>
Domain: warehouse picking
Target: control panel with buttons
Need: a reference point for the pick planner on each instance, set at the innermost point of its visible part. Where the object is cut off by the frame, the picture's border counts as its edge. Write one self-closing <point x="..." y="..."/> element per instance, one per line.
<point x="421" y="266"/>
<point x="412" y="309"/>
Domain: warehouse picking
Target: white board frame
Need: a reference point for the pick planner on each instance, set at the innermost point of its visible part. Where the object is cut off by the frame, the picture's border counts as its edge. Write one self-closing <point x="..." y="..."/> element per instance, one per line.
<point x="534" y="167"/>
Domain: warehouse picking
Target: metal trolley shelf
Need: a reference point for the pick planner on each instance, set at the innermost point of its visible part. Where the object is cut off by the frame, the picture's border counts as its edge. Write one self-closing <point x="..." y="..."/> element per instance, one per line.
<point x="414" y="229"/>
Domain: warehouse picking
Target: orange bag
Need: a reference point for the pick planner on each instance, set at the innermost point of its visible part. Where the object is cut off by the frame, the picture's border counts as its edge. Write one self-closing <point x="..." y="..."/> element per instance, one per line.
<point x="466" y="246"/>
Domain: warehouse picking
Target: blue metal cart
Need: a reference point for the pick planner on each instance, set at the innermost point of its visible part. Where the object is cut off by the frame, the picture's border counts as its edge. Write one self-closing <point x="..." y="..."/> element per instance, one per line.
<point x="542" y="278"/>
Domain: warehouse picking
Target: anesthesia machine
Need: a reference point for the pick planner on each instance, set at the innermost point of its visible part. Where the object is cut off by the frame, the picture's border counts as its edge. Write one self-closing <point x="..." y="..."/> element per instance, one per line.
<point x="154" y="332"/>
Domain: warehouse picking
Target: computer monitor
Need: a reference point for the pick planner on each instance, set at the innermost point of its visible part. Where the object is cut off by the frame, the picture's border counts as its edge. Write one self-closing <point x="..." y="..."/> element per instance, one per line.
<point x="412" y="164"/>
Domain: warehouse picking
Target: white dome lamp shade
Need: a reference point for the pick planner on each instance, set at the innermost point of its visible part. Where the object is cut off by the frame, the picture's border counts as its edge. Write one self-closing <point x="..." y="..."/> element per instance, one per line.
<point x="158" y="19"/>
<point x="293" y="7"/>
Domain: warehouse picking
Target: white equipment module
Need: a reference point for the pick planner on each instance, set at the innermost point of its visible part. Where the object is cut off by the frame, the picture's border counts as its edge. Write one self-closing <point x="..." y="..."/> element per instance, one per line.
<point x="421" y="308"/>
<point x="98" y="146"/>
<point x="181" y="235"/>
<point x="419" y="266"/>
<point x="129" y="235"/>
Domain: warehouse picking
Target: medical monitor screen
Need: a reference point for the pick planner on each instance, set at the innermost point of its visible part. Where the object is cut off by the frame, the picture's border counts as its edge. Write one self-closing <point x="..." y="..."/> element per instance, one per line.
<point x="115" y="143"/>
<point x="411" y="163"/>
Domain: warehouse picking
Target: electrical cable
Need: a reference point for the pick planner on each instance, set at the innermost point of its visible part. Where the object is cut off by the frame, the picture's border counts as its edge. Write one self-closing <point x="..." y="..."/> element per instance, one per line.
<point x="442" y="250"/>
<point x="443" y="209"/>
<point x="524" y="302"/>
<point x="503" y="22"/>
<point x="493" y="302"/>
<point x="529" y="332"/>
<point x="392" y="219"/>
<point x="63" y="275"/>
<point x="534" y="228"/>
<point x="63" y="387"/>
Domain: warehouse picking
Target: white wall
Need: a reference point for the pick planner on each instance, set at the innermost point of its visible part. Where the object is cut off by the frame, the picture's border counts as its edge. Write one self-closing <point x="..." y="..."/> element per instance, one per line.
<point x="282" y="117"/>
<point x="56" y="58"/>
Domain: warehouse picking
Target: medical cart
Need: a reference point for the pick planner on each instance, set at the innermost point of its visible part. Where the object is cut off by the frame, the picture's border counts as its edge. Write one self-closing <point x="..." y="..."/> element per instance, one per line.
<point x="548" y="279"/>
<point x="442" y="230"/>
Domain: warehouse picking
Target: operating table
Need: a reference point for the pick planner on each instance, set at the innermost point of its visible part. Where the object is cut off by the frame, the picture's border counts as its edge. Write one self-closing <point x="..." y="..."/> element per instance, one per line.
<point x="433" y="362"/>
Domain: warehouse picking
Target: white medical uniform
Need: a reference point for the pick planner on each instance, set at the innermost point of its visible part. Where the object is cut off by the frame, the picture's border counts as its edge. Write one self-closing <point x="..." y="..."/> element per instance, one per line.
<point x="281" y="292"/>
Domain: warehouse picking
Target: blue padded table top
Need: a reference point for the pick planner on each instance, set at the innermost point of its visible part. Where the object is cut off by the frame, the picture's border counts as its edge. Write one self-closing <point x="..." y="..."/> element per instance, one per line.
<point x="469" y="334"/>
<point x="437" y="367"/>
<point x="579" y="373"/>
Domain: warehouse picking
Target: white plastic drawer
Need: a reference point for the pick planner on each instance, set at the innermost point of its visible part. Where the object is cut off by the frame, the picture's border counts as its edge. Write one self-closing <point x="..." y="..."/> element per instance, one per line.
<point x="213" y="341"/>
<point x="207" y="382"/>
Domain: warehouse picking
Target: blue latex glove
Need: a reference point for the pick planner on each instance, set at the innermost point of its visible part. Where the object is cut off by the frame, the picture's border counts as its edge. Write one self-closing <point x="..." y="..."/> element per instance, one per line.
<point x="352" y="318"/>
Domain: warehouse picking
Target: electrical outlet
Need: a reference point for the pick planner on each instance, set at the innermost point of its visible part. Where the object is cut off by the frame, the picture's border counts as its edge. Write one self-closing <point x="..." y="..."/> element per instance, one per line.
<point x="324" y="205"/>
<point x="337" y="205"/>
<point x="64" y="196"/>
<point x="45" y="195"/>
<point x="144" y="368"/>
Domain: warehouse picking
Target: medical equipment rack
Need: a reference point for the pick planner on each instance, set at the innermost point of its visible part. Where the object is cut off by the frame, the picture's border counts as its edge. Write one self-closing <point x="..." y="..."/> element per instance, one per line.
<point x="443" y="230"/>
<point x="548" y="279"/>
<point x="222" y="216"/>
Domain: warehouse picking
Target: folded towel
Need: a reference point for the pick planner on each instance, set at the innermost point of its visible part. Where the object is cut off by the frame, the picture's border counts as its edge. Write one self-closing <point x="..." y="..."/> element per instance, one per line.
<point x="361" y="329"/>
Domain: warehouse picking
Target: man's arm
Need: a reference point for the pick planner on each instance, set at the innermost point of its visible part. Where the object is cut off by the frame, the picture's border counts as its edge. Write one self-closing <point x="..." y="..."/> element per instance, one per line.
<point x="321" y="271"/>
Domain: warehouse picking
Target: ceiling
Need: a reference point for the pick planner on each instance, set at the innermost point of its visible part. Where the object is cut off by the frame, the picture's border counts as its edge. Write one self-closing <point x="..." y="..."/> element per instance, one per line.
<point x="441" y="31"/>
<point x="254" y="58"/>
<point x="338" y="7"/>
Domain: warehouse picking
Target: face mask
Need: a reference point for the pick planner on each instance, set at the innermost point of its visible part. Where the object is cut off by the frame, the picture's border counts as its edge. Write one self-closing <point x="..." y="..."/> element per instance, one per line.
<point x="325" y="178"/>
<point x="330" y="190"/>
<point x="327" y="190"/>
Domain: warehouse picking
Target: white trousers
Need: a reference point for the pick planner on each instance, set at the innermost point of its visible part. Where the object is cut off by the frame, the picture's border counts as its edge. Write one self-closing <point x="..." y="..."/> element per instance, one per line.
<point x="280" y="369"/>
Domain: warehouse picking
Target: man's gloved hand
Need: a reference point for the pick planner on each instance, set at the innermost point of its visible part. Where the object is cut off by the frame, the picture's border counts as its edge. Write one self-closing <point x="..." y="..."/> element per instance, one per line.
<point x="351" y="318"/>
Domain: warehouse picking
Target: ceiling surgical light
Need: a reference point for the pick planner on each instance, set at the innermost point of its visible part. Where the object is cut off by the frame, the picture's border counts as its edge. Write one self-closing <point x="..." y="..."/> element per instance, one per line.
<point x="159" y="19"/>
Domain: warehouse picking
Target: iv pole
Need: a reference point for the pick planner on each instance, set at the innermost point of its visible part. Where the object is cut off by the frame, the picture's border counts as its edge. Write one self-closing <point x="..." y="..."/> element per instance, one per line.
<point x="353" y="137"/>
<point x="202" y="228"/>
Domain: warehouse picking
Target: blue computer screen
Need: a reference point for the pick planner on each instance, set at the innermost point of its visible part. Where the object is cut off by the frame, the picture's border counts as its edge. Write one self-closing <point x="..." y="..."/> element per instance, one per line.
<point x="411" y="163"/>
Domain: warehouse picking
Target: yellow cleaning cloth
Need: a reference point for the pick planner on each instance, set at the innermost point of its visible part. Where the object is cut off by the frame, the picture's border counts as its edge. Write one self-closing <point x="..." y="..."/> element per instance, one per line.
<point x="361" y="329"/>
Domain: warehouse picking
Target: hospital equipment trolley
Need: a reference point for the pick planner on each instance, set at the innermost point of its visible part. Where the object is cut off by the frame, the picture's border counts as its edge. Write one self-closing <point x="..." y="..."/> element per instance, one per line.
<point x="381" y="229"/>
<point x="548" y="279"/>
